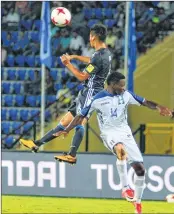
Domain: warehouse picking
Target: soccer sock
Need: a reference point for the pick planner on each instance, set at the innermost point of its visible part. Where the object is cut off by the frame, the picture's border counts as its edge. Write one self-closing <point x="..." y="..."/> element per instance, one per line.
<point x="139" y="187"/>
<point x="77" y="139"/>
<point x="49" y="135"/>
<point x="122" y="171"/>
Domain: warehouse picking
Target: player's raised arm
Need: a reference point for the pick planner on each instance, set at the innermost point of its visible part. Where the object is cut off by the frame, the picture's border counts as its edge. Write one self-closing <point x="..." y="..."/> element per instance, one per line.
<point x="164" y="111"/>
<point x="78" y="74"/>
<point x="84" y="59"/>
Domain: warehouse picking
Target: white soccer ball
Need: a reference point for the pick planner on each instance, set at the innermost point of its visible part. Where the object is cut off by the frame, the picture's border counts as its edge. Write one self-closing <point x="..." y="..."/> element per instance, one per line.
<point x="170" y="198"/>
<point x="60" y="16"/>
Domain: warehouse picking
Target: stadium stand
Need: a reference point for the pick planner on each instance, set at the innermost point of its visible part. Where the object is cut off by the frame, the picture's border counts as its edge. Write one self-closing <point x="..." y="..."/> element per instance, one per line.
<point x="20" y="42"/>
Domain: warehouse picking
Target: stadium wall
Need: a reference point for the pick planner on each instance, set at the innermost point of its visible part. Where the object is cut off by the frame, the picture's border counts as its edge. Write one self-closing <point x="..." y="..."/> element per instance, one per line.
<point x="94" y="175"/>
<point x="154" y="80"/>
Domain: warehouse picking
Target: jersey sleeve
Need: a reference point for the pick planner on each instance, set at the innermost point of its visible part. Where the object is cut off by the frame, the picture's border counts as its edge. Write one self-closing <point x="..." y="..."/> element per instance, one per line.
<point x="135" y="99"/>
<point x="87" y="111"/>
<point x="93" y="66"/>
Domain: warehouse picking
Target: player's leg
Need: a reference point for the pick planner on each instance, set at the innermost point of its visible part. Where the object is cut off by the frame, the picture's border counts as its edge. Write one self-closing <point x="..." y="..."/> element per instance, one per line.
<point x="139" y="184"/>
<point x="34" y="145"/>
<point x="83" y="99"/>
<point x="136" y="160"/>
<point x="121" y="164"/>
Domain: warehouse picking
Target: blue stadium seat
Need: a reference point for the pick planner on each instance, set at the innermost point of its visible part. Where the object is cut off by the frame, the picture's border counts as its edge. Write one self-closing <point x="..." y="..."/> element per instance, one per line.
<point x="109" y="22"/>
<point x="37" y="25"/>
<point x="55" y="43"/>
<point x="3" y="100"/>
<point x="4" y="114"/>
<point x="64" y="74"/>
<point x="9" y="101"/>
<point x="92" y="22"/>
<point x="34" y="36"/>
<point x="70" y="85"/>
<point x="14" y="114"/>
<point x="11" y="74"/>
<point x="58" y="86"/>
<point x="14" y="36"/>
<point x="4" y="35"/>
<point x="34" y="114"/>
<point x="88" y="13"/>
<point x="50" y="99"/>
<point x="105" y="4"/>
<point x="31" y="101"/>
<point x="24" y="115"/>
<point x="30" y="60"/>
<point x="55" y="61"/>
<point x="16" y="129"/>
<point x="31" y="75"/>
<point x="10" y="60"/>
<point x="19" y="100"/>
<point x="98" y="13"/>
<point x="18" y="88"/>
<point x="22" y="75"/>
<point x="80" y="87"/>
<point x="37" y="61"/>
<point x="6" y="127"/>
<point x="6" y="87"/>
<point x="47" y="115"/>
<point x="28" y="126"/>
<point x="38" y="100"/>
<point x="27" y="24"/>
<point x="108" y="13"/>
<point x="20" y="60"/>
<point x="9" y="141"/>
<point x="53" y="74"/>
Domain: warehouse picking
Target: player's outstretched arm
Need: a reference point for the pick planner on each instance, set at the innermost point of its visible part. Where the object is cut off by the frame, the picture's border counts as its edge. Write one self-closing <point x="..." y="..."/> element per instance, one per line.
<point x="78" y="74"/>
<point x="77" y="121"/>
<point x="84" y="59"/>
<point x="164" y="111"/>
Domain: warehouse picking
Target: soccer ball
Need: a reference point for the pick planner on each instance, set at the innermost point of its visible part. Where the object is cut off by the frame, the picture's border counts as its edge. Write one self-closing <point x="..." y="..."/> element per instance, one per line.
<point x="170" y="198"/>
<point x="61" y="16"/>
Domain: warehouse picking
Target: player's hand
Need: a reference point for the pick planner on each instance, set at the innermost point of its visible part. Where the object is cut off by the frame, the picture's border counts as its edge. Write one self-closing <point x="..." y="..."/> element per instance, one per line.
<point x="65" y="60"/>
<point x="57" y="134"/>
<point x="164" y="111"/>
<point x="69" y="57"/>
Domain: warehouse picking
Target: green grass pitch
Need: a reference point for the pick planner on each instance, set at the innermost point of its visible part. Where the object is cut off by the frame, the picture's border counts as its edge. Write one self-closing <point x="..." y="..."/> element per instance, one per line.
<point x="25" y="204"/>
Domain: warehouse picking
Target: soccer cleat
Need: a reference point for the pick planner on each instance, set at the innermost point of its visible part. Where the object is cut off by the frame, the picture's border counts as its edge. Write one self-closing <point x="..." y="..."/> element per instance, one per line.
<point x="30" y="145"/>
<point x="138" y="207"/>
<point x="66" y="158"/>
<point x="128" y="194"/>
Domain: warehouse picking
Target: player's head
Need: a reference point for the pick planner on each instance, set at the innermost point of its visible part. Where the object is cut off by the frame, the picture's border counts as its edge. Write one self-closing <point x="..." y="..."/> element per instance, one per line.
<point x="116" y="82"/>
<point x="98" y="33"/>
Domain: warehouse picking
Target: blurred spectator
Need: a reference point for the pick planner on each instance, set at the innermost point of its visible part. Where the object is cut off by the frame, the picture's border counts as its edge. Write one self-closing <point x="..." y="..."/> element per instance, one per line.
<point x="12" y="19"/>
<point x="33" y="87"/>
<point x="7" y="43"/>
<point x="22" y="7"/>
<point x="110" y="39"/>
<point x="76" y="43"/>
<point x="77" y="18"/>
<point x="84" y="32"/>
<point x="87" y="50"/>
<point x="118" y="46"/>
<point x="65" y="40"/>
<point x="3" y="55"/>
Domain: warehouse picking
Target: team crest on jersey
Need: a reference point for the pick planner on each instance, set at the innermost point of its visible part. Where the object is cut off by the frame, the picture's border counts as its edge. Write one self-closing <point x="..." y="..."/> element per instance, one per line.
<point x="90" y="68"/>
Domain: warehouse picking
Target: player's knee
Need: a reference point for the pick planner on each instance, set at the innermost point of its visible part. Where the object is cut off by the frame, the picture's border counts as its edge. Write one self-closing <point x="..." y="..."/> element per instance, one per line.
<point x="80" y="129"/>
<point x="139" y="169"/>
<point x="120" y="151"/>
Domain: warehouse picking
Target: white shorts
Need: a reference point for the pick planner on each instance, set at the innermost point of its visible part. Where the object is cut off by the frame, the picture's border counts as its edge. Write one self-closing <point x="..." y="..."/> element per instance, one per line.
<point x="113" y="137"/>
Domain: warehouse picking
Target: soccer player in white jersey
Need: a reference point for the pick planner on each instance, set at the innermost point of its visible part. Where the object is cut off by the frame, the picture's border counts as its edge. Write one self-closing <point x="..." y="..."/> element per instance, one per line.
<point x="111" y="107"/>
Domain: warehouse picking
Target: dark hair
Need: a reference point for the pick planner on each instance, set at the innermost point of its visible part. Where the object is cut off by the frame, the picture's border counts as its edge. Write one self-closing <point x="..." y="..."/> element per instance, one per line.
<point x="114" y="77"/>
<point x="100" y="31"/>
